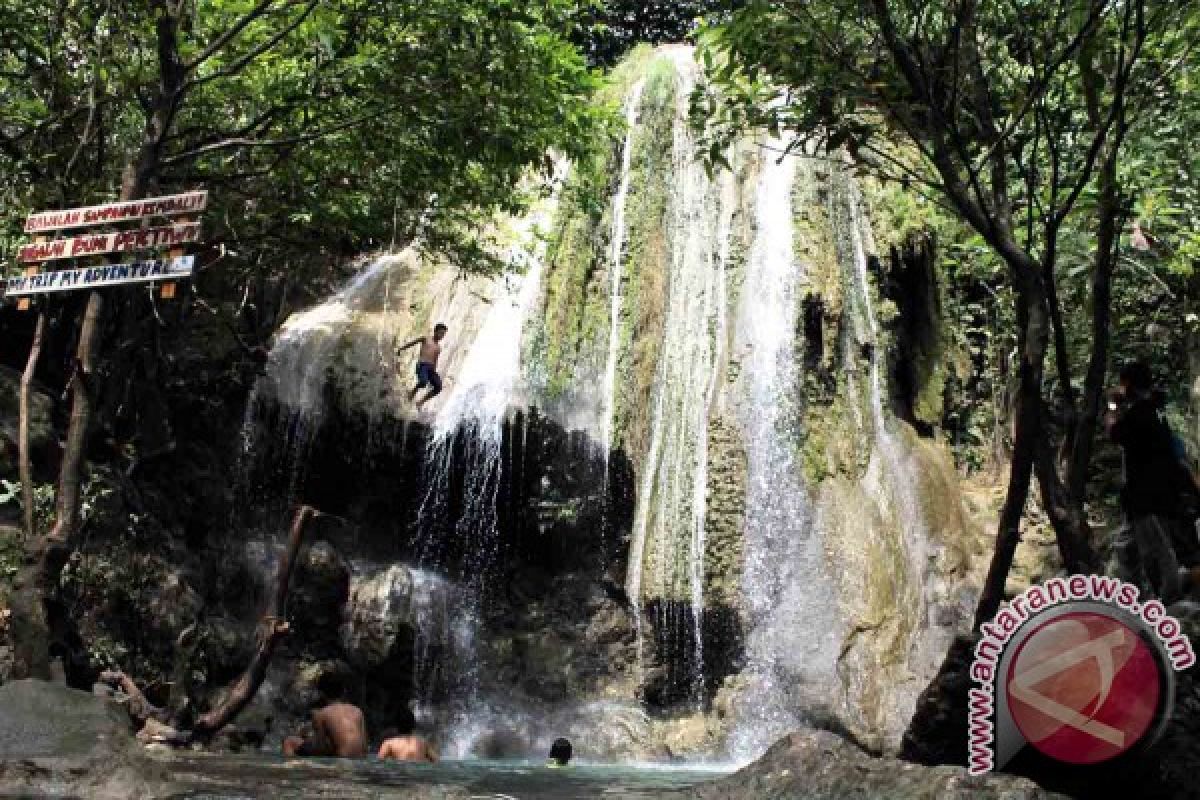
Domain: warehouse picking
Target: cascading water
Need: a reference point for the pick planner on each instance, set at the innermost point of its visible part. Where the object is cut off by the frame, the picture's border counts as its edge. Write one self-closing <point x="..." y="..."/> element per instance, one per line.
<point x="616" y="262"/>
<point x="668" y="529"/>
<point x="792" y="619"/>
<point x="469" y="432"/>
<point x="740" y="573"/>
<point x="296" y="375"/>
<point x="891" y="477"/>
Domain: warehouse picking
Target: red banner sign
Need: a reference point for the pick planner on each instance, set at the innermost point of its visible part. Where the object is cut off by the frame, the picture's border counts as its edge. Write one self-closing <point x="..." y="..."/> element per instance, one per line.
<point x="112" y="213"/>
<point x="120" y="242"/>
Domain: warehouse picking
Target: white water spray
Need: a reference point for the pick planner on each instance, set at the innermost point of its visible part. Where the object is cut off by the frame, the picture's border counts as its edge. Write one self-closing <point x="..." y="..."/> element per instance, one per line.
<point x="793" y="622"/>
<point x="468" y="433"/>
<point x="616" y="262"/>
<point x="666" y="557"/>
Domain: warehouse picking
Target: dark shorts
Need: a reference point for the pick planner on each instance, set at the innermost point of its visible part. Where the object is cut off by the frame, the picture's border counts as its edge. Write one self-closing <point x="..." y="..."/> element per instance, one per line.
<point x="427" y="376"/>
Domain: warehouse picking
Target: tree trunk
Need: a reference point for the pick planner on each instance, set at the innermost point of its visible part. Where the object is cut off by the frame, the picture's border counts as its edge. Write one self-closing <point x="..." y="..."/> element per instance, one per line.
<point x="66" y="516"/>
<point x="271" y="628"/>
<point x="1194" y="359"/>
<point x="1067" y="517"/>
<point x="26" y="457"/>
<point x="1032" y="341"/>
<point x="1107" y="245"/>
<point x="46" y="555"/>
<point x="1008" y="535"/>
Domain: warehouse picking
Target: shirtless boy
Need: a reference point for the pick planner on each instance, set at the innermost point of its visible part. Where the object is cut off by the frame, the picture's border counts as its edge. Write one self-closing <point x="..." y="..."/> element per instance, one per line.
<point x="431" y="349"/>
<point x="402" y="743"/>
<point x="408" y="748"/>
<point x="339" y="731"/>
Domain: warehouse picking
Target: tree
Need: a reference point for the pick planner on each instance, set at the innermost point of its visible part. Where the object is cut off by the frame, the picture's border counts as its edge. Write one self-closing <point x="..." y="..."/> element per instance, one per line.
<point x="1011" y="116"/>
<point x="323" y="129"/>
<point x="614" y="27"/>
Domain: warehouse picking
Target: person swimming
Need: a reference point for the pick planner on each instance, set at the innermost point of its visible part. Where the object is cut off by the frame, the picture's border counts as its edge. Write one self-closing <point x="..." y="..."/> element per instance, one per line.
<point x="402" y="743"/>
<point x="338" y="731"/>
<point x="560" y="753"/>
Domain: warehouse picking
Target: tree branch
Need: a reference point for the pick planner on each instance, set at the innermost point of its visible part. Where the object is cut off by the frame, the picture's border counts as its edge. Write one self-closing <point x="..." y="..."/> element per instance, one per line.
<point x="229" y="35"/>
<point x="243" y="61"/>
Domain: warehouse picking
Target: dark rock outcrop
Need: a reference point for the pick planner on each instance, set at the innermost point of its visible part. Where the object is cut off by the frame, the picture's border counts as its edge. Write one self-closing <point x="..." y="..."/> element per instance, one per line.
<point x="817" y="765"/>
<point x="1164" y="771"/>
<point x="61" y="742"/>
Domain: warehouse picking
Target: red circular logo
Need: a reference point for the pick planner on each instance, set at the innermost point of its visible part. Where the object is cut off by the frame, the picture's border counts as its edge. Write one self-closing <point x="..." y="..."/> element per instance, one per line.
<point x="1083" y="688"/>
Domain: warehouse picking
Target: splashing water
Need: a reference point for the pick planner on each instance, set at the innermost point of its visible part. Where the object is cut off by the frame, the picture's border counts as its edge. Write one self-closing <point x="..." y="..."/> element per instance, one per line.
<point x="468" y="433"/>
<point x="666" y="562"/>
<point x="297" y="372"/>
<point x="792" y="617"/>
<point x="616" y="260"/>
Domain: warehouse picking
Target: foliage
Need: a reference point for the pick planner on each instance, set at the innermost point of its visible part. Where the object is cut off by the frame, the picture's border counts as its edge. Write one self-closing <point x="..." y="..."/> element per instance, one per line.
<point x="612" y="28"/>
<point x="1014" y="118"/>
<point x="323" y="129"/>
<point x="840" y="75"/>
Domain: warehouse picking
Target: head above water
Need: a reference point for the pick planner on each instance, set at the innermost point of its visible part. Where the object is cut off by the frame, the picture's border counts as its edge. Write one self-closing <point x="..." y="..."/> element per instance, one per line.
<point x="560" y="752"/>
<point x="331" y="688"/>
<point x="406" y="722"/>
<point x="439" y="331"/>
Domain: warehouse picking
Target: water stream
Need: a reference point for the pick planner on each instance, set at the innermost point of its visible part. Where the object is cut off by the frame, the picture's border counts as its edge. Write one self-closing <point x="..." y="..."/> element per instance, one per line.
<point x="669" y="519"/>
<point x="616" y="263"/>
<point x="793" y="622"/>
<point x="469" y="436"/>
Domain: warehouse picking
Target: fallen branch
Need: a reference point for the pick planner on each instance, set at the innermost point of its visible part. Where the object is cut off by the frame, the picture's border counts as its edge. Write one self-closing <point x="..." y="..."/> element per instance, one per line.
<point x="156" y="723"/>
<point x="139" y="708"/>
<point x="271" y="629"/>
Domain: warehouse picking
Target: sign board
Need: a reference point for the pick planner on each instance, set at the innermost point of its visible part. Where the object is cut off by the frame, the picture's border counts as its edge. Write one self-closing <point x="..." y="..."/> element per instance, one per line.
<point x="114" y="213"/>
<point x="98" y="243"/>
<point x="100" y="277"/>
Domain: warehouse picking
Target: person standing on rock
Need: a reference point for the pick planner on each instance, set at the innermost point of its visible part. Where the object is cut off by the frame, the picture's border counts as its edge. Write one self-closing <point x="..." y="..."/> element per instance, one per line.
<point x="1157" y="490"/>
<point x="427" y="360"/>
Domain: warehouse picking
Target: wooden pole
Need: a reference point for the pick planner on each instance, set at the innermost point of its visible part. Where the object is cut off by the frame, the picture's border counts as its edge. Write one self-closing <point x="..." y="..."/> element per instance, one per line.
<point x="25" y="456"/>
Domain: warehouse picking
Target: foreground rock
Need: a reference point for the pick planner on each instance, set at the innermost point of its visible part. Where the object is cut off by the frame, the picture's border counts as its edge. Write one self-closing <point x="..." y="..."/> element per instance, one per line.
<point x="57" y="741"/>
<point x="816" y="765"/>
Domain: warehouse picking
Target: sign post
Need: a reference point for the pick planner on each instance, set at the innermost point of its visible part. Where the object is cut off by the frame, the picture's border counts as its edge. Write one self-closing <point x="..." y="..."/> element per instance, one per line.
<point x="181" y="211"/>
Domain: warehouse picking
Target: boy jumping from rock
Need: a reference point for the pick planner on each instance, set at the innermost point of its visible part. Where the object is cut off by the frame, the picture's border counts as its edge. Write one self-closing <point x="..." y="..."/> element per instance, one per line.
<point x="427" y="375"/>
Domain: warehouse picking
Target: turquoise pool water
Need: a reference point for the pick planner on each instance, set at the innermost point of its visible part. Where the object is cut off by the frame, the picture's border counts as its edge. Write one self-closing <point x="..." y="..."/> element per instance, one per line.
<point x="208" y="777"/>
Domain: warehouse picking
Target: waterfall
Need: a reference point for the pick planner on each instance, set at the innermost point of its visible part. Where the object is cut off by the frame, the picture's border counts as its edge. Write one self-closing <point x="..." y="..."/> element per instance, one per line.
<point x="792" y="617"/>
<point x="666" y="562"/>
<point x="616" y="261"/>
<point x="468" y="435"/>
<point x="747" y="585"/>
<point x="297" y="371"/>
<point x="892" y="478"/>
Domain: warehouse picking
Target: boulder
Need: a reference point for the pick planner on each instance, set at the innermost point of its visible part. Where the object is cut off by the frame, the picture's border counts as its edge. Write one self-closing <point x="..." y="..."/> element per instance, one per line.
<point x="57" y="741"/>
<point x="319" y="592"/>
<point x="818" y="765"/>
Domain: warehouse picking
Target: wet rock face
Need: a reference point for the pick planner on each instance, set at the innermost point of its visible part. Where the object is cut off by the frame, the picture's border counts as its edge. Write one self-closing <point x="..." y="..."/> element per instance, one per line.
<point x="320" y="588"/>
<point x="817" y="765"/>
<point x="384" y="612"/>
